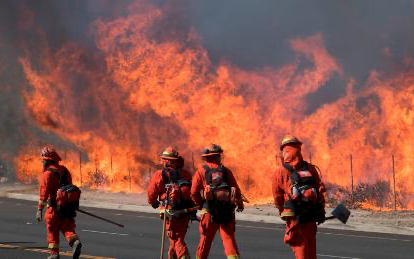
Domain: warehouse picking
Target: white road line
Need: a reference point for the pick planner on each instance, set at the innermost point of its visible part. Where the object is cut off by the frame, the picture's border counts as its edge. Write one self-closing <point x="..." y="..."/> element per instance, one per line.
<point x="370" y="237"/>
<point x="338" y="234"/>
<point x="324" y="233"/>
<point x="147" y="217"/>
<point x="245" y="226"/>
<point x="102" y="232"/>
<point x="337" y="256"/>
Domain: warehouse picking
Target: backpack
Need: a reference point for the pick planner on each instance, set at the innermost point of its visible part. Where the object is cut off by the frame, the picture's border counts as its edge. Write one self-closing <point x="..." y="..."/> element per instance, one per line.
<point x="179" y="196"/>
<point x="67" y="196"/>
<point x="67" y="200"/>
<point x="305" y="195"/>
<point x="219" y="195"/>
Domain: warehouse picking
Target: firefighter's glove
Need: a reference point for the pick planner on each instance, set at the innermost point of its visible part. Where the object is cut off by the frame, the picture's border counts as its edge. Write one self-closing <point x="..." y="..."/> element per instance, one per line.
<point x="193" y="216"/>
<point x="240" y="207"/>
<point x="321" y="221"/>
<point x="39" y="215"/>
<point x="156" y="204"/>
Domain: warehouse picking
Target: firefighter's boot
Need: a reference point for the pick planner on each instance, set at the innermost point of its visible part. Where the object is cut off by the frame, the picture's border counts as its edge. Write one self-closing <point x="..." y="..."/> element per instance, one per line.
<point x="76" y="249"/>
<point x="54" y="256"/>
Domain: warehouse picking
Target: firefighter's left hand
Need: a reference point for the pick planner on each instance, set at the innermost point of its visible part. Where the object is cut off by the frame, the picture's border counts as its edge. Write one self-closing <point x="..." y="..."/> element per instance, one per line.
<point x="321" y="218"/>
<point x="39" y="215"/>
<point x="240" y="207"/>
<point x="156" y="204"/>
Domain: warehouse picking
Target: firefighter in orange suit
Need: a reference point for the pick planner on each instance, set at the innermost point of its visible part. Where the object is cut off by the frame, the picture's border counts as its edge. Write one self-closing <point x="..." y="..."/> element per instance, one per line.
<point x="54" y="177"/>
<point x="298" y="194"/>
<point x="175" y="182"/>
<point x="216" y="193"/>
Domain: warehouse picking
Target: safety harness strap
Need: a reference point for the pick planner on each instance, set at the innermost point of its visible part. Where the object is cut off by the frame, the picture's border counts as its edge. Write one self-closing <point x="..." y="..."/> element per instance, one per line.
<point x="295" y="177"/>
<point x="170" y="176"/>
<point x="63" y="179"/>
<point x="209" y="173"/>
<point x="303" y="211"/>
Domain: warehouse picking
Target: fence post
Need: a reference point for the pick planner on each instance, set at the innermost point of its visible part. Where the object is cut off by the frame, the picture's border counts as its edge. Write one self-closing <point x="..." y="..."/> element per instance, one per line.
<point x="192" y="157"/>
<point x="129" y="172"/>
<point x="80" y="167"/>
<point x="352" y="180"/>
<point x="393" y="175"/>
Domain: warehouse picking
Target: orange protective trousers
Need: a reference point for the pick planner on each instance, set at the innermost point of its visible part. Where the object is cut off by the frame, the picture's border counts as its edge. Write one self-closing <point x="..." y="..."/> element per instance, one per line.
<point x="176" y="231"/>
<point x="55" y="225"/>
<point x="301" y="238"/>
<point x="208" y="230"/>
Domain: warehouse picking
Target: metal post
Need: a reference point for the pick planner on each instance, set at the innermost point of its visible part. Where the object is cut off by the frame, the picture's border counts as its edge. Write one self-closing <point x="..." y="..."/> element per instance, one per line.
<point x="96" y="165"/>
<point x="248" y="182"/>
<point x="80" y="167"/>
<point x="192" y="157"/>
<point x="129" y="172"/>
<point x="352" y="180"/>
<point x="310" y="157"/>
<point x="393" y="175"/>
<point x="111" y="165"/>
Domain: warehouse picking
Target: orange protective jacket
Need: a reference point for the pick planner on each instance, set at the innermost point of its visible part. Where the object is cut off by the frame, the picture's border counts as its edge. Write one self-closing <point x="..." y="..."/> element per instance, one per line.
<point x="156" y="189"/>
<point x="282" y="186"/>
<point x="199" y="184"/>
<point x="50" y="183"/>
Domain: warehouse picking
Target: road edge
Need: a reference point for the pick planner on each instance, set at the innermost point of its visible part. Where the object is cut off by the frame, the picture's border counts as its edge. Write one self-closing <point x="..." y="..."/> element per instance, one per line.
<point x="353" y="226"/>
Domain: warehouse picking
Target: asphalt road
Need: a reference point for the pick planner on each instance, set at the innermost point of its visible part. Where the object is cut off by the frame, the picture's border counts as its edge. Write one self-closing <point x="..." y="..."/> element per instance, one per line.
<point x="21" y="237"/>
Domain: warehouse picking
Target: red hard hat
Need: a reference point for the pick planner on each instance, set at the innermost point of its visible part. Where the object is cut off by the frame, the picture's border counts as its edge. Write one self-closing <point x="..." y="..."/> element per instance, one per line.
<point x="49" y="153"/>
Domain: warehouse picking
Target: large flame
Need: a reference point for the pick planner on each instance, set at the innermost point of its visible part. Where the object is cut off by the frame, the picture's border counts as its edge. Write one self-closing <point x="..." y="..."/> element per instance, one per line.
<point x="139" y="94"/>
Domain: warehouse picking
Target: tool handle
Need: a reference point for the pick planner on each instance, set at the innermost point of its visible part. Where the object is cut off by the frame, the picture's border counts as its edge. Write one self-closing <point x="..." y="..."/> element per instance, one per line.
<point x="164" y="224"/>
<point x="163" y="235"/>
<point x="101" y="218"/>
<point x="330" y="217"/>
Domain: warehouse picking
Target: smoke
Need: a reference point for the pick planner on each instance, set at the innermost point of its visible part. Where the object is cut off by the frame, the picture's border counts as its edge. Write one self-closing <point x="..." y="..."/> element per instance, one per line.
<point x="362" y="35"/>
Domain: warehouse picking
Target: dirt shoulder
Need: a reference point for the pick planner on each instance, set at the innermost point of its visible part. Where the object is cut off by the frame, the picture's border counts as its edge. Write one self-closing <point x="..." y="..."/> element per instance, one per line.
<point x="394" y="222"/>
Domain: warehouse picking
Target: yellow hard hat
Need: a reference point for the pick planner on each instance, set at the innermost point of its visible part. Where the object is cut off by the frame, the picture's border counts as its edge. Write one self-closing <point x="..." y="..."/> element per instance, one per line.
<point x="211" y="150"/>
<point x="289" y="139"/>
<point x="170" y="154"/>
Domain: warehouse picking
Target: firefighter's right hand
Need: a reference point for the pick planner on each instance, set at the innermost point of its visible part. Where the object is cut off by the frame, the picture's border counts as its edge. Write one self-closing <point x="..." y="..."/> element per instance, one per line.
<point x="240" y="207"/>
<point x="156" y="204"/>
<point x="39" y="215"/>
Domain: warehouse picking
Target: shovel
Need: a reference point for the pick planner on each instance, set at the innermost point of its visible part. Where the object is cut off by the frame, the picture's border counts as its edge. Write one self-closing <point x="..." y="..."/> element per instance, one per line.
<point x="341" y="213"/>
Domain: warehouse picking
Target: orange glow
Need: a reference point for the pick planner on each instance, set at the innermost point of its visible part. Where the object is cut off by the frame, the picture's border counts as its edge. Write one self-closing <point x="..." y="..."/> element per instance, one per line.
<point x="151" y="94"/>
